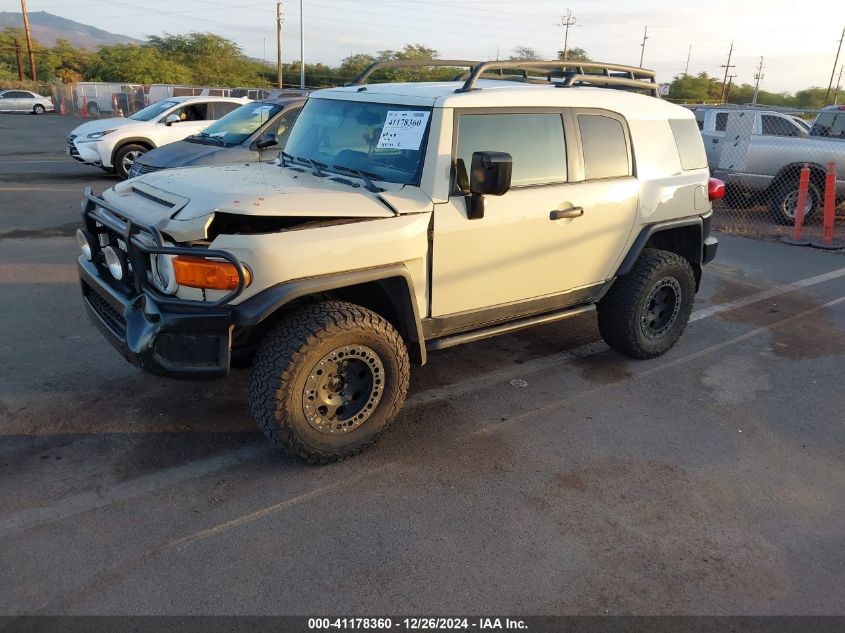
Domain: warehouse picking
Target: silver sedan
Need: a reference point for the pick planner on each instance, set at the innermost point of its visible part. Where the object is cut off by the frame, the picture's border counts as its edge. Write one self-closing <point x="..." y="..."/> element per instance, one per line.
<point x="24" y="101"/>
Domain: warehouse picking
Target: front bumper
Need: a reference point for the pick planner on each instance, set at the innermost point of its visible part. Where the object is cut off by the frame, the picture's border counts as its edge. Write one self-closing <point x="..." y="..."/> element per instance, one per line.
<point x="190" y="345"/>
<point x="90" y="153"/>
<point x="161" y="334"/>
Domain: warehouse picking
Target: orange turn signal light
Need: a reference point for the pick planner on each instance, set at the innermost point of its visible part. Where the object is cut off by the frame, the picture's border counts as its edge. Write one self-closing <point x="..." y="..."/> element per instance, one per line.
<point x="196" y="272"/>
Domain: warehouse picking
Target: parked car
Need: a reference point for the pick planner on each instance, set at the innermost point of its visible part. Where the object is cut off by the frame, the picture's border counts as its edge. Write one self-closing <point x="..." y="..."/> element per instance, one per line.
<point x="25" y="101"/>
<point x="759" y="155"/>
<point x="100" y="97"/>
<point x="403" y="218"/>
<point x="253" y="132"/>
<point x="114" y="144"/>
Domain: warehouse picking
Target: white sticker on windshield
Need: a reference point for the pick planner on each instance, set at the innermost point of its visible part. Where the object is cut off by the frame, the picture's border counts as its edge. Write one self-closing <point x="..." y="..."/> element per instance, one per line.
<point x="217" y="134"/>
<point x="262" y="109"/>
<point x="403" y="129"/>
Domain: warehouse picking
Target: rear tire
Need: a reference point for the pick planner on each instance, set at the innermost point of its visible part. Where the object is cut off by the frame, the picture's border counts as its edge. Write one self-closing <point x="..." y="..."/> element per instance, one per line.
<point x="38" y="109"/>
<point x="125" y="157"/>
<point x="328" y="380"/>
<point x="783" y="201"/>
<point x="645" y="311"/>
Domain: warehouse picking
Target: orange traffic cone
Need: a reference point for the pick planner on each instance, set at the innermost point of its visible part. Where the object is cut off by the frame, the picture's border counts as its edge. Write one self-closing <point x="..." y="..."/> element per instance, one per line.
<point x="120" y="112"/>
<point x="84" y="112"/>
<point x="62" y="110"/>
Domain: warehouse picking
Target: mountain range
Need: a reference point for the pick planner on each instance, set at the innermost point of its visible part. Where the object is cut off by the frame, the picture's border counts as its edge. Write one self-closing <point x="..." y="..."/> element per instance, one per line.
<point x="47" y="28"/>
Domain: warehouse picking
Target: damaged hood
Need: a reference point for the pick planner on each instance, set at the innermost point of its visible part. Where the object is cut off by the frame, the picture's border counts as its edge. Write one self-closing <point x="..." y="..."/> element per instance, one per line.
<point x="258" y="189"/>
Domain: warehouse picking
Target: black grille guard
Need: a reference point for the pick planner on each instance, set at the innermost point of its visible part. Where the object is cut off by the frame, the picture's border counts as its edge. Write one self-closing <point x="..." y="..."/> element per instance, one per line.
<point x="137" y="249"/>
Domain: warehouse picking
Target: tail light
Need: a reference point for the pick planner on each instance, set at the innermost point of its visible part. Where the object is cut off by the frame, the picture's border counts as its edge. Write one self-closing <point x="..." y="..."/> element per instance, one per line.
<point x="715" y="189"/>
<point x="196" y="272"/>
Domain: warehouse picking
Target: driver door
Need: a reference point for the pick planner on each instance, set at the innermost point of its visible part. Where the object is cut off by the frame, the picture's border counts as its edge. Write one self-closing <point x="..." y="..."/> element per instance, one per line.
<point x="532" y="251"/>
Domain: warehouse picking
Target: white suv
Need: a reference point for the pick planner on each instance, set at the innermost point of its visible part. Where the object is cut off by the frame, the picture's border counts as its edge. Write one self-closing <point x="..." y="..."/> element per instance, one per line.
<point x="404" y="218"/>
<point x="115" y="143"/>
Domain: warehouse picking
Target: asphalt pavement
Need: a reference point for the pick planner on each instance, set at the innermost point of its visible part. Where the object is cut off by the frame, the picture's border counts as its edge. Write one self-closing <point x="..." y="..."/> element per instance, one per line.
<point x="535" y="473"/>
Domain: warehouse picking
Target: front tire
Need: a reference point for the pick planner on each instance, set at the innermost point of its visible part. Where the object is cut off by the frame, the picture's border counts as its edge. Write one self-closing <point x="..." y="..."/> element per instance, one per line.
<point x="125" y="157"/>
<point x="38" y="109"/>
<point x="328" y="380"/>
<point x="645" y="311"/>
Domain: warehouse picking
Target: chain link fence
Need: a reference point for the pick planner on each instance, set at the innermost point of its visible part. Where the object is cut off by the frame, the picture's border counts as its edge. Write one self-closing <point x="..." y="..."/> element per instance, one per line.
<point x="759" y="154"/>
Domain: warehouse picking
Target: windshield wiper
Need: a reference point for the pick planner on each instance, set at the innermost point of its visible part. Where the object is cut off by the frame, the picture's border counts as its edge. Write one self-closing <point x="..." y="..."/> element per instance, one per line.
<point x="317" y="167"/>
<point x="370" y="185"/>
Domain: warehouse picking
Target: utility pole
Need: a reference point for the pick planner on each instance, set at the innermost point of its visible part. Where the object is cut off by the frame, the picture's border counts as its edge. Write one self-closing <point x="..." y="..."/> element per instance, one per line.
<point x="28" y="39"/>
<point x="642" y="53"/>
<point x="301" y="48"/>
<point x="689" y="54"/>
<point x="727" y="68"/>
<point x="20" y="61"/>
<point x="566" y="21"/>
<point x="835" y="63"/>
<point x="838" y="84"/>
<point x="279" y="44"/>
<point x="728" y="87"/>
<point x="758" y="76"/>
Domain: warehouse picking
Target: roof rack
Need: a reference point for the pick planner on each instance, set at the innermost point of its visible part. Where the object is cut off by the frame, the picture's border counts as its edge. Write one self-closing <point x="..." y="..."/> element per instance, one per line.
<point x="361" y="79"/>
<point x="572" y="73"/>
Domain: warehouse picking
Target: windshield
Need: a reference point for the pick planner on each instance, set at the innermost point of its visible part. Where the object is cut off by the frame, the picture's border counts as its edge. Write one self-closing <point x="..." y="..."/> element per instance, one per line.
<point x="151" y="112"/>
<point x="240" y="124"/>
<point x="384" y="141"/>
<point x="829" y="124"/>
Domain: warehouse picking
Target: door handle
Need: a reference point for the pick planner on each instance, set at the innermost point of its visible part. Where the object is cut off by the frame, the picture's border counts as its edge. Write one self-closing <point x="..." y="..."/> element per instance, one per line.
<point x="571" y="212"/>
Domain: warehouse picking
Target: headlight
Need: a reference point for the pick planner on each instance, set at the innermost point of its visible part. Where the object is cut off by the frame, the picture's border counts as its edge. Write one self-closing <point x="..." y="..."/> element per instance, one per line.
<point x="116" y="262"/>
<point x="98" y="135"/>
<point x="163" y="274"/>
<point x="83" y="238"/>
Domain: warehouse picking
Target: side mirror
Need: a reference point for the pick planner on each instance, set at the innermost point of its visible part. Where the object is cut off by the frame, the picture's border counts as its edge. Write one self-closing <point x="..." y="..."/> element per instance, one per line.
<point x="268" y="140"/>
<point x="489" y="174"/>
<point x="171" y="119"/>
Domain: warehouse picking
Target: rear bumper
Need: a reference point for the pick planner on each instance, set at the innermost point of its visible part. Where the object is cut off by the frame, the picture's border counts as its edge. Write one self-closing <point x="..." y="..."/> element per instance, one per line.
<point x="178" y="344"/>
<point x="708" y="251"/>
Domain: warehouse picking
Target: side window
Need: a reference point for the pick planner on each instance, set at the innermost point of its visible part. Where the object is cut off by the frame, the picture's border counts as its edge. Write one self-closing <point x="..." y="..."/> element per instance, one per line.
<point x="193" y="112"/>
<point x="605" y="147"/>
<point x="282" y="127"/>
<point x="690" y="145"/>
<point x="776" y="126"/>
<point x="534" y="141"/>
<point x="721" y="121"/>
<point x="221" y="109"/>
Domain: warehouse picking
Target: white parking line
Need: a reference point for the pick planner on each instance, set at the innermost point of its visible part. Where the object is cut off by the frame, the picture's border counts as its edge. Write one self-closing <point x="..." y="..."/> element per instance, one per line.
<point x="317" y="492"/>
<point x="148" y="484"/>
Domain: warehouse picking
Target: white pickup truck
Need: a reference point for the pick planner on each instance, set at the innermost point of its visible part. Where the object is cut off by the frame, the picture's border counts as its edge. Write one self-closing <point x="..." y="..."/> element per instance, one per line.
<point x="759" y="153"/>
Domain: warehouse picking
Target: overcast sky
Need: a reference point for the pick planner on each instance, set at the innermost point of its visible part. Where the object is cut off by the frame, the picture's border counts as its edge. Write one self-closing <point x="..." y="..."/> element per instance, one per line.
<point x="798" y="40"/>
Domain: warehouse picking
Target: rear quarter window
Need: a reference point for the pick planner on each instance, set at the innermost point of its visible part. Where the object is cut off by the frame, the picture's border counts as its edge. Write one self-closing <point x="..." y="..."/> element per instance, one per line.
<point x="605" y="147"/>
<point x="689" y="143"/>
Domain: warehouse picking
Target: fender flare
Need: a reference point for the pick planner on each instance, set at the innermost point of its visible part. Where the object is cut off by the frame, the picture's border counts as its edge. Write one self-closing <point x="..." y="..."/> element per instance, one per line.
<point x="647" y="231"/>
<point x="259" y="307"/>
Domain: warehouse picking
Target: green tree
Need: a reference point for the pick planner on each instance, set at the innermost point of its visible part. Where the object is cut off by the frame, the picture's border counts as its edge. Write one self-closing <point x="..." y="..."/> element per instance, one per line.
<point x="212" y="59"/>
<point x="575" y="54"/>
<point x="701" y="87"/>
<point x="136" y="64"/>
